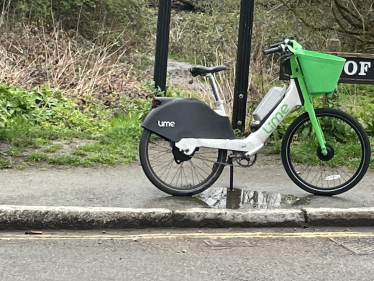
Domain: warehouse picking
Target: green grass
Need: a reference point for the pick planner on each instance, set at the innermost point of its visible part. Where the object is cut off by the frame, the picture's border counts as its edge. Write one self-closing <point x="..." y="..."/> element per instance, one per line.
<point x="14" y="151"/>
<point x="80" y="153"/>
<point x="306" y="152"/>
<point x="39" y="142"/>
<point x="36" y="157"/>
<point x="5" y="163"/>
<point x="71" y="160"/>
<point x="92" y="137"/>
<point x="115" y="145"/>
<point x="52" y="148"/>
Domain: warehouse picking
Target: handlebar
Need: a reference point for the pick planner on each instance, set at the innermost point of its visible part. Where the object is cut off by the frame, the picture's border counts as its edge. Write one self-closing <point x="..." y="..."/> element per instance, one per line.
<point x="275" y="45"/>
<point x="273" y="49"/>
<point x="287" y="46"/>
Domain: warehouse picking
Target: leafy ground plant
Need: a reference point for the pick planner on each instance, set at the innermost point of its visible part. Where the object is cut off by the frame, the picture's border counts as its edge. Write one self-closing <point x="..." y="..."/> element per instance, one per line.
<point x="45" y="128"/>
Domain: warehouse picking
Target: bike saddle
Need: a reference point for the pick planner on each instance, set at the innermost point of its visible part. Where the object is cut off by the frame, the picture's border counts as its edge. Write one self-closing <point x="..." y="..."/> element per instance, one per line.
<point x="202" y="70"/>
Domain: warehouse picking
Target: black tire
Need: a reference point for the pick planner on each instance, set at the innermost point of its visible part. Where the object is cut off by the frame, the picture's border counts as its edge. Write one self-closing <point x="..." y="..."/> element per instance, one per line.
<point x="332" y="174"/>
<point x="196" y="173"/>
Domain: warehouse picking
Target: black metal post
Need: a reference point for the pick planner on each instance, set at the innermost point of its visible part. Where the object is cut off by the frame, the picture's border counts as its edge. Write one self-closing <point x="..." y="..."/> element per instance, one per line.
<point x="162" y="44"/>
<point x="242" y="64"/>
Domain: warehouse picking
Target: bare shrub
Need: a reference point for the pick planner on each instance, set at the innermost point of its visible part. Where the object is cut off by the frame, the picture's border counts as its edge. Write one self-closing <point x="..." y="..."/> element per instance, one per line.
<point x="33" y="58"/>
<point x="211" y="39"/>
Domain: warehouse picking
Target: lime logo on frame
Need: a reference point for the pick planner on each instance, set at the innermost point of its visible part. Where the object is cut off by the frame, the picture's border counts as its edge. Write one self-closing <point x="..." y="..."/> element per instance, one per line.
<point x="278" y="117"/>
<point x="166" y="124"/>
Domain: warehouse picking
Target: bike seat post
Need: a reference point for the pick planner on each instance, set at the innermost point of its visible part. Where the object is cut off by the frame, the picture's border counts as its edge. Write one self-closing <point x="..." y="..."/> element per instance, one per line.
<point x="217" y="97"/>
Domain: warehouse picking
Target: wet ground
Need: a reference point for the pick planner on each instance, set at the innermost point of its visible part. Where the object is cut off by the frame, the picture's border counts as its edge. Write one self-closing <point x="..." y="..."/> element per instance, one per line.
<point x="265" y="185"/>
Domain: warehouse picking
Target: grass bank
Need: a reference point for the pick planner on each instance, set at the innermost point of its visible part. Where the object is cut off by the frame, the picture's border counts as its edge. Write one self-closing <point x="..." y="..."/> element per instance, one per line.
<point x="45" y="128"/>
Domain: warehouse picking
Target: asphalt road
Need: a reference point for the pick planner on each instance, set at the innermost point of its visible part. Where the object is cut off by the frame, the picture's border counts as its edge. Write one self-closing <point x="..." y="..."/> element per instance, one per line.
<point x="264" y="185"/>
<point x="155" y="256"/>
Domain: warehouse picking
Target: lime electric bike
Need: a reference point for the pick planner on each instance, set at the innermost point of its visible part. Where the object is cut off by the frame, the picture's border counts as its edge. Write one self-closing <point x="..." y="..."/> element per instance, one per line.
<point x="184" y="146"/>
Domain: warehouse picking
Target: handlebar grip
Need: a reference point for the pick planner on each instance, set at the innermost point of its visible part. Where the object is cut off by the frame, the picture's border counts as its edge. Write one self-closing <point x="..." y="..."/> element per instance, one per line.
<point x="275" y="45"/>
<point x="272" y="50"/>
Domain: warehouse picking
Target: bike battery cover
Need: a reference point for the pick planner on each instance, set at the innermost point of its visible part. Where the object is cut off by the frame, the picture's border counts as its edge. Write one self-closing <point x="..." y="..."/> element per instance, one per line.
<point x="269" y="101"/>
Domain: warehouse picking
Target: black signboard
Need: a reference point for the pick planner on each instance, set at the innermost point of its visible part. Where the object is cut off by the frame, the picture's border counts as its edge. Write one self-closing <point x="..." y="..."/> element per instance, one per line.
<point x="358" y="69"/>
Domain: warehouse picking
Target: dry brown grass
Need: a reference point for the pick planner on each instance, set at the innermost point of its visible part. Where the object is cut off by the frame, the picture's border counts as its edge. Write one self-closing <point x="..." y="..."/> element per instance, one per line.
<point x="32" y="58"/>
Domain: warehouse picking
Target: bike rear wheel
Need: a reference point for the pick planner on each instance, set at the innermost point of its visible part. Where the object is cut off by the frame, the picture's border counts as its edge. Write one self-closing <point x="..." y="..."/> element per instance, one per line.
<point x="348" y="155"/>
<point x="175" y="172"/>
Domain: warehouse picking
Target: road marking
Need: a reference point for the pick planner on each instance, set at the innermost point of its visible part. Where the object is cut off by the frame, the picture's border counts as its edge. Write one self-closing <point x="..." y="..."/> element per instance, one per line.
<point x="188" y="235"/>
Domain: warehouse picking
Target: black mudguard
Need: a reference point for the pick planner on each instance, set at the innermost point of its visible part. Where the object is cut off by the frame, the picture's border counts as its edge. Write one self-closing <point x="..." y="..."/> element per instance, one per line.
<point x="177" y="118"/>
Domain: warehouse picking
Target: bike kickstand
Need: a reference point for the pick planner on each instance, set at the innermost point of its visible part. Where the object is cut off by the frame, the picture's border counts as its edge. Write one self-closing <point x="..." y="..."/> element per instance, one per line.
<point x="229" y="161"/>
<point x="231" y="178"/>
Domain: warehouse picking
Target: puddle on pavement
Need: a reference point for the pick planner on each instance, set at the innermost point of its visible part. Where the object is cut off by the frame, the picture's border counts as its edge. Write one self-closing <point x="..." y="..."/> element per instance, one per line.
<point x="222" y="198"/>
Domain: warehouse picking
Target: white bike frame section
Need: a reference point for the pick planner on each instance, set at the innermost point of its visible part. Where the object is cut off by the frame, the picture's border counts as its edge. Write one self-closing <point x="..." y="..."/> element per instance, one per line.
<point x="255" y="141"/>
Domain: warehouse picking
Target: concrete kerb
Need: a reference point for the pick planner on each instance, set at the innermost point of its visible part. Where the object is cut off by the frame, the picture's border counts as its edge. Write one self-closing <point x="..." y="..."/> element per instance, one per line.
<point x="238" y="218"/>
<point x="339" y="217"/>
<point x="43" y="217"/>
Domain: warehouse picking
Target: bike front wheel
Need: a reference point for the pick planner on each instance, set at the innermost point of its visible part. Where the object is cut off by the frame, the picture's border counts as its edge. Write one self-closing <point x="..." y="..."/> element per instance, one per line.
<point x="344" y="165"/>
<point x="176" y="173"/>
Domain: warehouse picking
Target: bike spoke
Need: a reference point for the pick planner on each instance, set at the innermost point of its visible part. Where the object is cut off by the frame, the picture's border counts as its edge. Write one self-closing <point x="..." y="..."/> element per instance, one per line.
<point x="172" y="180"/>
<point x="197" y="171"/>
<point x="175" y="172"/>
<point x="201" y="169"/>
<point x="192" y="176"/>
<point x="336" y="171"/>
<point x="203" y="161"/>
<point x="159" y="156"/>
<point x="165" y="167"/>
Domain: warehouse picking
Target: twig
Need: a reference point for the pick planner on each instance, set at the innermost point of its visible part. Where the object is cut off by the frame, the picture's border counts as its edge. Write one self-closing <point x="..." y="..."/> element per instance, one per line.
<point x="275" y="8"/>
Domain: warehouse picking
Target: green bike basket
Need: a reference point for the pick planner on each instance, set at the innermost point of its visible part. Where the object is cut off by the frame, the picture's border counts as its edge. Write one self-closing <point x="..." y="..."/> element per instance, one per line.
<point x="321" y="71"/>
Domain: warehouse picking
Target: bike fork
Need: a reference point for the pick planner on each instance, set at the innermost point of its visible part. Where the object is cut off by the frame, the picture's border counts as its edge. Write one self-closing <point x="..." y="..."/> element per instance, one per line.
<point x="308" y="106"/>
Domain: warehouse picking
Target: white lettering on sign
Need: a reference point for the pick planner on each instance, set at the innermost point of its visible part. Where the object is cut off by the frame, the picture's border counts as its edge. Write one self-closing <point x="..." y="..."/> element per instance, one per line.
<point x="365" y="65"/>
<point x="352" y="67"/>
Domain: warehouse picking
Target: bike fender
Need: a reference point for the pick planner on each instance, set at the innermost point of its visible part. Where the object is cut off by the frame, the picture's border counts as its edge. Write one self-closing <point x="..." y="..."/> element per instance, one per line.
<point x="177" y="118"/>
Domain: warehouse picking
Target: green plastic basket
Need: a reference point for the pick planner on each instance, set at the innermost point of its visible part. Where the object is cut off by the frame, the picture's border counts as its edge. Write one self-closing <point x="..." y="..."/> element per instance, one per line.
<point x="321" y="71"/>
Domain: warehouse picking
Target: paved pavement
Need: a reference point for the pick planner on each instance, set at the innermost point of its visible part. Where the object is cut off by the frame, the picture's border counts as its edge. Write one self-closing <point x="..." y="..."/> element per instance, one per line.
<point x="127" y="187"/>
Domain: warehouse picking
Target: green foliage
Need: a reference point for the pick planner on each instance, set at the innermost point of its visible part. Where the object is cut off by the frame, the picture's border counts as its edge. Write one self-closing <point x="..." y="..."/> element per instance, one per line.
<point x="48" y="109"/>
<point x="5" y="163"/>
<point x="65" y="160"/>
<point x="32" y="119"/>
<point x="36" y="157"/>
<point x="52" y="148"/>
<point x="363" y="112"/>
